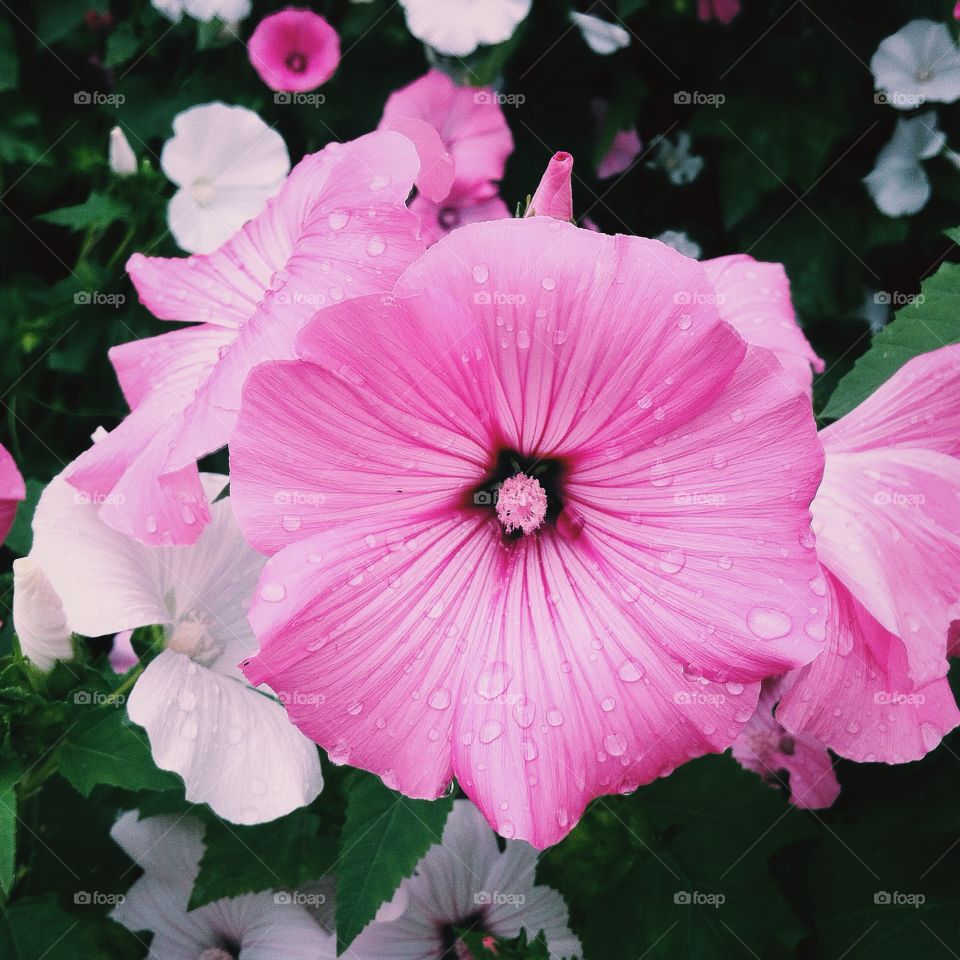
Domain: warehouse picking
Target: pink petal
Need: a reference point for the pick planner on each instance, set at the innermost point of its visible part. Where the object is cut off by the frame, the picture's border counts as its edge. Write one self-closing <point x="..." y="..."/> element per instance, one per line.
<point x="919" y="406"/>
<point x="469" y="120"/>
<point x="755" y="298"/>
<point x="294" y="50"/>
<point x="624" y="149"/>
<point x="784" y="759"/>
<point x="436" y="164"/>
<point x="858" y="698"/>
<point x="554" y="195"/>
<point x="606" y="641"/>
<point x="456" y="210"/>
<point x="12" y="491"/>
<point x="338" y="228"/>
<point x="888" y="528"/>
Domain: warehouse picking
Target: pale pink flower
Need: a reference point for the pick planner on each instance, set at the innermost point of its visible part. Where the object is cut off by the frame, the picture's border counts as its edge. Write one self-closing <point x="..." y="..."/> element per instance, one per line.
<point x="338" y="228"/>
<point x="472" y="127"/>
<point x="294" y="50"/>
<point x="12" y="491"/>
<point x="798" y="763"/>
<point x="467" y="882"/>
<point x="888" y="536"/>
<point x="254" y="926"/>
<point x="722" y="10"/>
<point x="624" y="635"/>
<point x="624" y="149"/>
<point x="554" y="195"/>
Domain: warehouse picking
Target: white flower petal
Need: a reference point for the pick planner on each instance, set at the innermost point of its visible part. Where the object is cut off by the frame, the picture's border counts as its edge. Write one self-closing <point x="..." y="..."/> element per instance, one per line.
<point x="38" y="616"/>
<point x="235" y="748"/>
<point x="898" y="183"/>
<point x="918" y="64"/>
<point x="457" y="27"/>
<point x="601" y="36"/>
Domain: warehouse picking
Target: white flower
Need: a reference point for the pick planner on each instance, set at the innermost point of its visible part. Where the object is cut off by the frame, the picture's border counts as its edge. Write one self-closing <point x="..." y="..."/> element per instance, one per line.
<point x="601" y="36"/>
<point x="120" y="155"/>
<point x="255" y="926"/>
<point x="466" y="882"/>
<point x="234" y="747"/>
<point x="675" y="159"/>
<point x="681" y="243"/>
<point x="458" y="27"/>
<point x="227" y="163"/>
<point x="229" y="11"/>
<point x="38" y="618"/>
<point x="898" y="183"/>
<point x="917" y="64"/>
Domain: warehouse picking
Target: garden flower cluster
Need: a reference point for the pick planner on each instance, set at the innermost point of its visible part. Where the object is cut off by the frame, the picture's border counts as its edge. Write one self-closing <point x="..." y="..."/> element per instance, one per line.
<point x="511" y="511"/>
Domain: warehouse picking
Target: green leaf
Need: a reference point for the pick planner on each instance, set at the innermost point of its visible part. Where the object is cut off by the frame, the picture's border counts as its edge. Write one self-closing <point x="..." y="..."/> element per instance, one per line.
<point x="122" y="44"/>
<point x="918" y="328"/>
<point x="383" y="838"/>
<point x="10" y="770"/>
<point x="286" y="853"/>
<point x="9" y="63"/>
<point x="21" y="533"/>
<point x="106" y="748"/>
<point x="37" y="929"/>
<point x="97" y="211"/>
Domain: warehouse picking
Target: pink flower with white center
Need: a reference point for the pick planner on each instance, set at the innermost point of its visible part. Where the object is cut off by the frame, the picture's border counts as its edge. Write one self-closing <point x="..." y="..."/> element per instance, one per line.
<point x="338" y="228"/>
<point x="621" y="636"/>
<point x="554" y="194"/>
<point x="12" y="491"/>
<point x="888" y="536"/>
<point x="234" y="747"/>
<point x="466" y="883"/>
<point x="294" y="50"/>
<point x="472" y="127"/>
<point x="255" y="926"/>
<point x="799" y="763"/>
<point x="721" y="10"/>
<point x="755" y="298"/>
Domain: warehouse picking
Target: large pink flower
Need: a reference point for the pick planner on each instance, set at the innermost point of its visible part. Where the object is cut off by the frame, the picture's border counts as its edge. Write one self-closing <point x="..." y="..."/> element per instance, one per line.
<point x="888" y="533"/>
<point x="474" y="130"/>
<point x="294" y="50"/>
<point x="338" y="228"/>
<point x="12" y="491"/>
<point x="656" y="474"/>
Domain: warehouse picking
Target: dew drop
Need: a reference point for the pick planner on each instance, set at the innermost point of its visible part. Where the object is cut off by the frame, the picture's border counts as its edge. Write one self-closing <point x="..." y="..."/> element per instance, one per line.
<point x="273" y="592"/>
<point x="338" y="220"/>
<point x="629" y="671"/>
<point x="376" y="246"/>
<point x="490" y="730"/>
<point x="494" y="679"/>
<point x="768" y="624"/>
<point x="439" y="699"/>
<point x="480" y="273"/>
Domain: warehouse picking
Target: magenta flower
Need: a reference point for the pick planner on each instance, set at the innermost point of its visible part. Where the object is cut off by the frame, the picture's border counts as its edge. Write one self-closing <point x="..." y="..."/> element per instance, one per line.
<point x="722" y="10"/>
<point x="554" y="194"/>
<point x="12" y="491"/>
<point x="622" y="629"/>
<point x="888" y="536"/>
<point x="294" y="50"/>
<point x="472" y="127"/>
<point x="338" y="228"/>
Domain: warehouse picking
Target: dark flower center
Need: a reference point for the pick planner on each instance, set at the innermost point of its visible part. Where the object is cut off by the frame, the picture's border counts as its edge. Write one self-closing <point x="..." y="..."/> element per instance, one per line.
<point x="297" y="62"/>
<point x="549" y="473"/>
<point x="449" y="218"/>
<point x="453" y="947"/>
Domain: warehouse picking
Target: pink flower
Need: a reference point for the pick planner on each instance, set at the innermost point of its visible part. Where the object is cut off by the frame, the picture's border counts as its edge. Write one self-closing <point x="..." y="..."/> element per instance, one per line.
<point x="12" y="491"/>
<point x="554" y="195"/>
<point x="755" y="298"/>
<point x="474" y="131"/>
<point x="338" y="228"/>
<point x="624" y="149"/>
<point x="888" y="536"/>
<point x="722" y="10"/>
<point x="592" y="650"/>
<point x="799" y="763"/>
<point x="294" y="50"/>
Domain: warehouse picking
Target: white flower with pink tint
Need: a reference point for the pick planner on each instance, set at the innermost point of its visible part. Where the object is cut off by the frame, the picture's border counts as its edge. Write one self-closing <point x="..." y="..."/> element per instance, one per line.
<point x="338" y="228"/>
<point x="888" y="536"/>
<point x="255" y="926"/>
<point x="227" y="163"/>
<point x="600" y="35"/>
<point x="457" y="27"/>
<point x="230" y="11"/>
<point x="120" y="156"/>
<point x="603" y="643"/>
<point x="294" y="50"/>
<point x="467" y="883"/>
<point x="38" y="617"/>
<point x="918" y="64"/>
<point x="474" y="131"/>
<point x="233" y="746"/>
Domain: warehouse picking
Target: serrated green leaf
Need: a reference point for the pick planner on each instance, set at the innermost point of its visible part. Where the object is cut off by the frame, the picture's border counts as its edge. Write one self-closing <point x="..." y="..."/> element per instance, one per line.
<point x="97" y="211"/>
<point x="286" y="853"/>
<point x="917" y="328"/>
<point x="107" y="749"/>
<point x="20" y="536"/>
<point x="384" y="836"/>
<point x="10" y="770"/>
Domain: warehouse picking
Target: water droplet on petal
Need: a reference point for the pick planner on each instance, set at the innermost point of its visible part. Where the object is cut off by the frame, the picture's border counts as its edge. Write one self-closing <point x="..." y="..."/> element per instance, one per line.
<point x="440" y="699"/>
<point x="768" y="624"/>
<point x="494" y="679"/>
<point x="273" y="592"/>
<point x="490" y="730"/>
<point x="338" y="220"/>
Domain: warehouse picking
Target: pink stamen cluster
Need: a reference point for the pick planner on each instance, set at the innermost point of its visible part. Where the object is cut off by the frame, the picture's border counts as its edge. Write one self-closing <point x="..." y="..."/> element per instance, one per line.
<point x="521" y="504"/>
